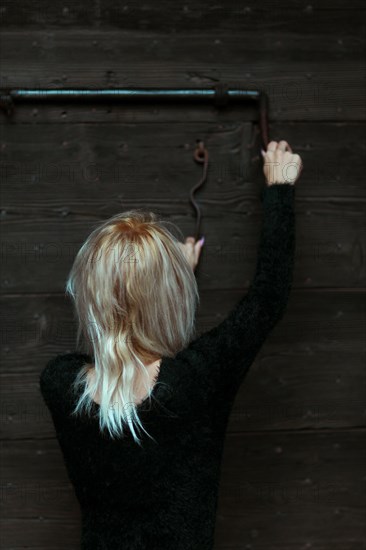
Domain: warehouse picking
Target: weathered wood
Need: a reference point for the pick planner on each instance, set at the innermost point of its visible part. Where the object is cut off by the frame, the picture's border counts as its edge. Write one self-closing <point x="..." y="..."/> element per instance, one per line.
<point x="307" y="483"/>
<point x="81" y="166"/>
<point x="319" y="17"/>
<point x="38" y="252"/>
<point x="309" y="374"/>
<point x="312" y="490"/>
<point x="300" y="87"/>
<point x="293" y="467"/>
<point x="74" y="180"/>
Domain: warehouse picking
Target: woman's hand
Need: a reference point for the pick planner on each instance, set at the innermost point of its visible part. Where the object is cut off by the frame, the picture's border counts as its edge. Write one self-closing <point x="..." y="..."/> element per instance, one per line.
<point x="192" y="250"/>
<point x="281" y="166"/>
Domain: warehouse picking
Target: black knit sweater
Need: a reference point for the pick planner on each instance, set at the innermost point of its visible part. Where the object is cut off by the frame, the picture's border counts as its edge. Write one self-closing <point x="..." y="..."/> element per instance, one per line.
<point x="163" y="495"/>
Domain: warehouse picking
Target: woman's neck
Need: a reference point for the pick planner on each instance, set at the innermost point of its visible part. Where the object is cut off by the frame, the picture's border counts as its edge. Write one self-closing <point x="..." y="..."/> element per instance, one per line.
<point x="152" y="368"/>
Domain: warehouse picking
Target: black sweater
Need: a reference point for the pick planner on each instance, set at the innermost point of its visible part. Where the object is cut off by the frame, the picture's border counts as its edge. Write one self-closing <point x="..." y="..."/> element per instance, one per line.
<point x="163" y="495"/>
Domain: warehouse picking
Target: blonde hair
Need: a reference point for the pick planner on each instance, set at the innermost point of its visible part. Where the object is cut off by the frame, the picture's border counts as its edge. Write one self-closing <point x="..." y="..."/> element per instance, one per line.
<point x="134" y="293"/>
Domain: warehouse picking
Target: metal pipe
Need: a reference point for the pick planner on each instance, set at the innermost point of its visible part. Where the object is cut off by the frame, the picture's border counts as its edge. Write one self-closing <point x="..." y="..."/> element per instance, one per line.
<point x="220" y="94"/>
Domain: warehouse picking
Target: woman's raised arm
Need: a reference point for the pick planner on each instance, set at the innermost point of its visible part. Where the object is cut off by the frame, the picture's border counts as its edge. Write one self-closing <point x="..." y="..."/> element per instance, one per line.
<point x="225" y="352"/>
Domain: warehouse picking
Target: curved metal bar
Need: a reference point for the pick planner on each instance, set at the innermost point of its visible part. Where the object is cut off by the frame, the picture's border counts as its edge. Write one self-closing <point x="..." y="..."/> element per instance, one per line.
<point x="200" y="155"/>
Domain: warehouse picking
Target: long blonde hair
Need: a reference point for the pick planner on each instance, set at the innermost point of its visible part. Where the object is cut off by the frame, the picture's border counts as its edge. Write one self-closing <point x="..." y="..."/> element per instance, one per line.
<point x="134" y="294"/>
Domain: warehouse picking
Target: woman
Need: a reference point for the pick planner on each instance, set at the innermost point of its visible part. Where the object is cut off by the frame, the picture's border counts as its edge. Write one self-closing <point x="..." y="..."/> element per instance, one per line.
<point x="135" y="296"/>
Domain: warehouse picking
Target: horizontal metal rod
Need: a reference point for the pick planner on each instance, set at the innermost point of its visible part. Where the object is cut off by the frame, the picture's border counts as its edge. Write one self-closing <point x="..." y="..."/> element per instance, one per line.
<point x="220" y="94"/>
<point x="129" y="93"/>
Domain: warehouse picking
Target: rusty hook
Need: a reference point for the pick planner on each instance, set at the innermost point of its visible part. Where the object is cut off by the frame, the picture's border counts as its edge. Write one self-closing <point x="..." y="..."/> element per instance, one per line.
<point x="200" y="155"/>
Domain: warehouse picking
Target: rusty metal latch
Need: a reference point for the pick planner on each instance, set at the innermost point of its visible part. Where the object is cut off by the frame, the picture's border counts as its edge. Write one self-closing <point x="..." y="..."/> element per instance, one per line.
<point x="200" y="155"/>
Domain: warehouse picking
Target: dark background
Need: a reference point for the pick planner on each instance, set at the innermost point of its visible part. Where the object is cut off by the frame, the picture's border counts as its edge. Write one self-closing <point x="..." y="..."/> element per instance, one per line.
<point x="293" y="475"/>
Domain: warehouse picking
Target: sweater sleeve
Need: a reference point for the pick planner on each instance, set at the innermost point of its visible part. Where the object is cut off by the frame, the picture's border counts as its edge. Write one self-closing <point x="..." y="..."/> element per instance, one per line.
<point x="227" y="350"/>
<point x="53" y="379"/>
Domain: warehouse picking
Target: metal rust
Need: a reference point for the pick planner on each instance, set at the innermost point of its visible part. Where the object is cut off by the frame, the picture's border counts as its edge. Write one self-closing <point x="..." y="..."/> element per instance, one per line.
<point x="200" y="155"/>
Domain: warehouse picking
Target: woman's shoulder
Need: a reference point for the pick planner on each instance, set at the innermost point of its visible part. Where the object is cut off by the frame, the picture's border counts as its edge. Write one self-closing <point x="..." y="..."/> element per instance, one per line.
<point x="59" y="363"/>
<point x="58" y="370"/>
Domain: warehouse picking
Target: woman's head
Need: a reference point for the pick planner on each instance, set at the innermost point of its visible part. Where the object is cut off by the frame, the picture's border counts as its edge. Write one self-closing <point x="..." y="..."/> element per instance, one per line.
<point x="135" y="296"/>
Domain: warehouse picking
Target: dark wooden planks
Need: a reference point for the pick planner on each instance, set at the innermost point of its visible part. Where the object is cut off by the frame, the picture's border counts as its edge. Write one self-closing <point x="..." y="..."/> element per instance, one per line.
<point x="308" y="375"/>
<point x="295" y="16"/>
<point x="277" y="489"/>
<point x="83" y="162"/>
<point x="293" y="470"/>
<point x="38" y="251"/>
<point x="61" y="181"/>
<point x="285" y="490"/>
<point x="41" y="534"/>
<point x="305" y="78"/>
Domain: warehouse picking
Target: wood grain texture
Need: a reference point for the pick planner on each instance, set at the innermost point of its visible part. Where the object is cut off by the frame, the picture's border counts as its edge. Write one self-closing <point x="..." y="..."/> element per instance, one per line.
<point x="309" y="374"/>
<point x="61" y="181"/>
<point x="281" y="487"/>
<point x="301" y="84"/>
<point x="293" y="467"/>
<point x="324" y="16"/>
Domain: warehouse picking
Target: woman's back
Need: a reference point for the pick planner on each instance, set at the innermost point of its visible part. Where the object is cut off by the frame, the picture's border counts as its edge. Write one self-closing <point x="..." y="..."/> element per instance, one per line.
<point x="163" y="494"/>
<point x="152" y="496"/>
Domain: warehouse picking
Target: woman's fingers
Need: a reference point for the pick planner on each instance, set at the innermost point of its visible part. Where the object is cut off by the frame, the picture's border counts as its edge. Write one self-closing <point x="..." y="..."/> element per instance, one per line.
<point x="283" y="146"/>
<point x="272" y="146"/>
<point x="280" y="164"/>
<point x="197" y="250"/>
<point x="192" y="250"/>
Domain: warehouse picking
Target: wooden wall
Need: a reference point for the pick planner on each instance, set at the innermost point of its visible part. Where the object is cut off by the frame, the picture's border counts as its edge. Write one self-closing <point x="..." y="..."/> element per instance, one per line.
<point x="293" y="476"/>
